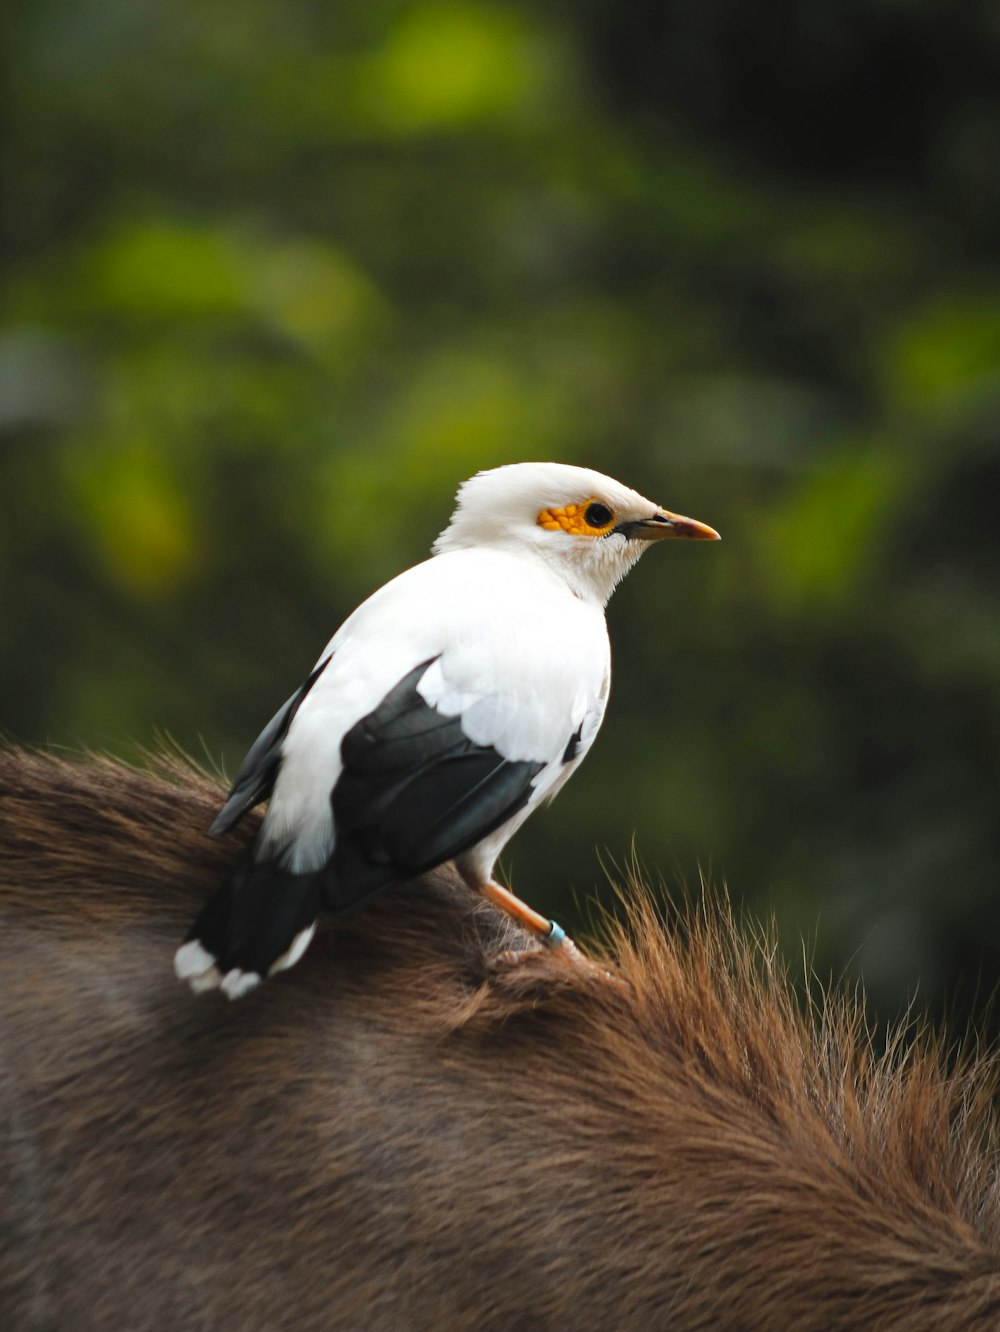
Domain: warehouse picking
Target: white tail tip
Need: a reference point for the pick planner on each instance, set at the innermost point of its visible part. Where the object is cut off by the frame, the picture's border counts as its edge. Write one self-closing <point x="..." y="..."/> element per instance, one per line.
<point x="192" y="960"/>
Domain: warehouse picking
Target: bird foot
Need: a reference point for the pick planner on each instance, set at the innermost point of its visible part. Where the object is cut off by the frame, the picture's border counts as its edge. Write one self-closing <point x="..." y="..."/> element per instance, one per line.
<point x="544" y="962"/>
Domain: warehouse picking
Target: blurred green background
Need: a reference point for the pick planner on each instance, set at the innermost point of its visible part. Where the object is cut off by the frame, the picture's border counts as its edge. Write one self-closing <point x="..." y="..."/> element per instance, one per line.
<point x="278" y="276"/>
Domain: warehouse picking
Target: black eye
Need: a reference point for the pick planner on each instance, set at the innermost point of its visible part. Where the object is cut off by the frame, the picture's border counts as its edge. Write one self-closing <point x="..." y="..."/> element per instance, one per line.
<point x="598" y="515"/>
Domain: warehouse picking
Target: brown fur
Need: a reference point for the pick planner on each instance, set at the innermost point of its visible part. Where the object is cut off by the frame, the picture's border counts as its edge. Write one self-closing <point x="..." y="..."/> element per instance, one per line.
<point x="387" y="1138"/>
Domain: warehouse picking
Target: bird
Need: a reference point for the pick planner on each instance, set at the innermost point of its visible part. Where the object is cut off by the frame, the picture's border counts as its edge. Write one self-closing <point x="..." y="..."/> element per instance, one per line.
<point x="454" y="701"/>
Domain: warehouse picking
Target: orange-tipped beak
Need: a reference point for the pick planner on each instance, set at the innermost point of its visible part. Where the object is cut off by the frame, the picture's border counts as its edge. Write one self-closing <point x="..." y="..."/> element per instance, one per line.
<point x="664" y="526"/>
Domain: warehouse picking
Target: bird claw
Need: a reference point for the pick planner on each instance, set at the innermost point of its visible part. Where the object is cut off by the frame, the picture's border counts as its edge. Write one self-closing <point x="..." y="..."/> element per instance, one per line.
<point x="540" y="961"/>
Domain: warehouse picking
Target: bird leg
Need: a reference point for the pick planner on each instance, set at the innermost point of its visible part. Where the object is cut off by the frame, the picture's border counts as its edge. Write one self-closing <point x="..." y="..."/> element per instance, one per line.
<point x="531" y="963"/>
<point x="551" y="934"/>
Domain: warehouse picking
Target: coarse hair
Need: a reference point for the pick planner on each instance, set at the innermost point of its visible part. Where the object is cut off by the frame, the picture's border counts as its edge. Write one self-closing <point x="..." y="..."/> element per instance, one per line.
<point x="395" y="1136"/>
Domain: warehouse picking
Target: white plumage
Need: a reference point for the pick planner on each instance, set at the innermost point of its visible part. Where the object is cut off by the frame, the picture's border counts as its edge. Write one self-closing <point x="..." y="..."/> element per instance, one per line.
<point x="503" y="632"/>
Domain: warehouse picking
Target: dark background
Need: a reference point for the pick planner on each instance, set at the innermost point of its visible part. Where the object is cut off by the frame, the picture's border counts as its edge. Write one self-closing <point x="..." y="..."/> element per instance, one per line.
<point x="278" y="276"/>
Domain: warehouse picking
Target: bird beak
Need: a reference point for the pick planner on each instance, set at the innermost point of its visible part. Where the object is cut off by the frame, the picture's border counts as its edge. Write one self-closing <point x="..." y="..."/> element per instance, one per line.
<point x="665" y="526"/>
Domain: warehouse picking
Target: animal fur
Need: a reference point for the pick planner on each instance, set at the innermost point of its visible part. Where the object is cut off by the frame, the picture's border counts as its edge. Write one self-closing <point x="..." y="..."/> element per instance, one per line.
<point x="388" y="1138"/>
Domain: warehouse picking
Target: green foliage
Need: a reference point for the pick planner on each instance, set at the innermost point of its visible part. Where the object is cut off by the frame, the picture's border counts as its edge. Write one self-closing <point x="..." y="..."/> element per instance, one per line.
<point x="274" y="286"/>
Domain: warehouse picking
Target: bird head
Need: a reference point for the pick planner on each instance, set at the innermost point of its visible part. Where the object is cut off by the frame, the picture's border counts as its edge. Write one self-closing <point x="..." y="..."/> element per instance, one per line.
<point x="585" y="526"/>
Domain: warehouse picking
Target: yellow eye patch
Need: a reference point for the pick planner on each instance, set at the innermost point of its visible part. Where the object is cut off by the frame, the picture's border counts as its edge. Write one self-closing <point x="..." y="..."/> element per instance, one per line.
<point x="591" y="518"/>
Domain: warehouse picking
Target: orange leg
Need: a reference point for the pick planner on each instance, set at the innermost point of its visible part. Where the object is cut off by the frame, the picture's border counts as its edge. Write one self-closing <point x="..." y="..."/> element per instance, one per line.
<point x="551" y="934"/>
<point x="531" y="962"/>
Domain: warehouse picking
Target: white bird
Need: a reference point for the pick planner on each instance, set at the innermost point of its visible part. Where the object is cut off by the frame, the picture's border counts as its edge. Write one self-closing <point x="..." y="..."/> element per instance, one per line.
<point x="451" y="704"/>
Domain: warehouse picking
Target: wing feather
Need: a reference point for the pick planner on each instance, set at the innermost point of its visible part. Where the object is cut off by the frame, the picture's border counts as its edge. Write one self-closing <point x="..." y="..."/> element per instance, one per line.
<point x="255" y="778"/>
<point x="414" y="792"/>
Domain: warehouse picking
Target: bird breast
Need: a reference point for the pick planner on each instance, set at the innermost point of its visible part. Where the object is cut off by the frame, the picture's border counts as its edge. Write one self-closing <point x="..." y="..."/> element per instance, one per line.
<point x="514" y="653"/>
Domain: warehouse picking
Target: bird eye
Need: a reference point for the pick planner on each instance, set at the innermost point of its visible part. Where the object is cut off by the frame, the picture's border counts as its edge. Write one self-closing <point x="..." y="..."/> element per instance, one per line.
<point x="598" y="515"/>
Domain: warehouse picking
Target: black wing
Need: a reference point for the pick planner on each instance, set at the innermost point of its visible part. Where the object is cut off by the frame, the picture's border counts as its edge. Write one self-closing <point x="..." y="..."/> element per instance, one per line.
<point x="414" y="792"/>
<point x="258" y="770"/>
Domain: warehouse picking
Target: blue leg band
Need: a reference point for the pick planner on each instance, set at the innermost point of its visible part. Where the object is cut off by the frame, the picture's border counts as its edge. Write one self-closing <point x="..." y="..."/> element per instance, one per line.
<point x="555" y="936"/>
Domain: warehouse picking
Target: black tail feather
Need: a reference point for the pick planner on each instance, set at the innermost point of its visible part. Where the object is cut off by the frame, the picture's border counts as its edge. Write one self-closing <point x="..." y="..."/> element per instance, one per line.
<point x="258" y="921"/>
